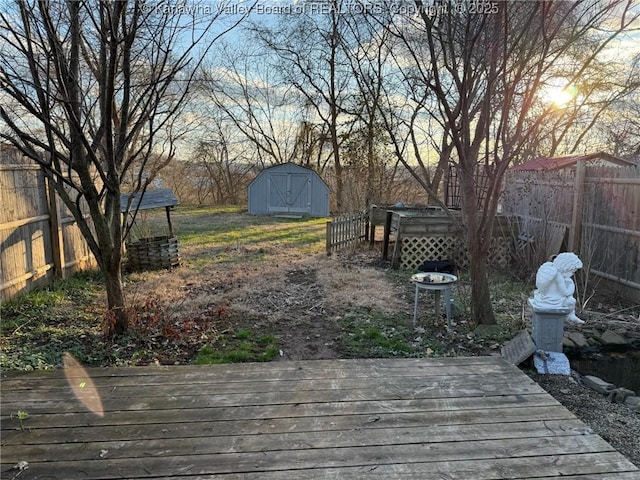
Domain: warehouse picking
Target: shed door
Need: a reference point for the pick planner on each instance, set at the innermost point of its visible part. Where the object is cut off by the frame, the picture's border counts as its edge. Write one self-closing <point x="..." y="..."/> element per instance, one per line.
<point x="289" y="193"/>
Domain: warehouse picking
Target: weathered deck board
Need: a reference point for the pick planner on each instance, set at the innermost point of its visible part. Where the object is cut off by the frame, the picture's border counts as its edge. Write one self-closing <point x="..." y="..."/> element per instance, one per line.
<point x="458" y="418"/>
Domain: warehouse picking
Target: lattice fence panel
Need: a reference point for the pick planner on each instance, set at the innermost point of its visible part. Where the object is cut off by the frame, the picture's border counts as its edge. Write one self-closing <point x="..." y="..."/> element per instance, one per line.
<point x="417" y="250"/>
<point x="500" y="252"/>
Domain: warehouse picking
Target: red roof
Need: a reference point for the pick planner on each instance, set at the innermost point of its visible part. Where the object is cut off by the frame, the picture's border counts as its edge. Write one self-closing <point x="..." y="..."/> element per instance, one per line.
<point x="557" y="163"/>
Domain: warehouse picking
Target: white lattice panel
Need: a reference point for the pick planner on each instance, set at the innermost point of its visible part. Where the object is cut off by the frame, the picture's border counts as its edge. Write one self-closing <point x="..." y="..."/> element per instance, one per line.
<point x="417" y="250"/>
<point x="500" y="253"/>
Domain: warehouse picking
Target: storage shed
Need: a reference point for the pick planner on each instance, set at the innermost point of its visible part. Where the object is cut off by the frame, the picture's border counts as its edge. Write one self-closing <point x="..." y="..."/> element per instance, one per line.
<point x="288" y="189"/>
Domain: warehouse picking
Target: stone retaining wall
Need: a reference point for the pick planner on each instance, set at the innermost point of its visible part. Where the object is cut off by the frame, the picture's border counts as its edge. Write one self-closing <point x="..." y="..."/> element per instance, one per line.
<point x="612" y="335"/>
<point x="596" y="336"/>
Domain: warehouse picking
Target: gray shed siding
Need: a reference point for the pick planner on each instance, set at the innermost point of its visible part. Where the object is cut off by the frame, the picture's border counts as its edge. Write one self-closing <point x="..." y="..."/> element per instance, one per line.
<point x="288" y="189"/>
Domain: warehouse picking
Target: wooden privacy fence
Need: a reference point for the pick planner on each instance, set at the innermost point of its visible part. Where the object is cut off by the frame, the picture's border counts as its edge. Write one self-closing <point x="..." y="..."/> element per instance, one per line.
<point x="39" y="239"/>
<point x="347" y="230"/>
<point x="592" y="211"/>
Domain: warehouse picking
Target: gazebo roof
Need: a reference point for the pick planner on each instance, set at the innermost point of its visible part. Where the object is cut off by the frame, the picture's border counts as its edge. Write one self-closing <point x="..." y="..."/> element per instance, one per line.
<point x="151" y="199"/>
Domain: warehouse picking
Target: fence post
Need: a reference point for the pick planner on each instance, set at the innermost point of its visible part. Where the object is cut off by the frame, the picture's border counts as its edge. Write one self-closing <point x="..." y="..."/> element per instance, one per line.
<point x="367" y="235"/>
<point x="328" y="238"/>
<point x="575" y="235"/>
<point x="57" y="246"/>
<point x="387" y="232"/>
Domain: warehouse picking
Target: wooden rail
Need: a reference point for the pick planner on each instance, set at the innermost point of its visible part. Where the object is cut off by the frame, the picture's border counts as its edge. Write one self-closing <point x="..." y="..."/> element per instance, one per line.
<point x="347" y="230"/>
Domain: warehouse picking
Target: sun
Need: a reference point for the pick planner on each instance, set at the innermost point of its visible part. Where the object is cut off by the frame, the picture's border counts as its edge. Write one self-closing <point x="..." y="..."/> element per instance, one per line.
<point x="559" y="96"/>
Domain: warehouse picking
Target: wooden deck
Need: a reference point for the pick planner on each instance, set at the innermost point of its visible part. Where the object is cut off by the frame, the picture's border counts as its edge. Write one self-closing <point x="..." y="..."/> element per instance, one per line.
<point x="449" y="418"/>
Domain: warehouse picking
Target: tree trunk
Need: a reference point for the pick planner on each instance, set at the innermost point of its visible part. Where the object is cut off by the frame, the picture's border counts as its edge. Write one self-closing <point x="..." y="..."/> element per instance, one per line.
<point x="481" y="308"/>
<point x="337" y="165"/>
<point x="478" y="241"/>
<point x="371" y="165"/>
<point x="333" y="106"/>
<point x="109" y="255"/>
<point x="118" y="320"/>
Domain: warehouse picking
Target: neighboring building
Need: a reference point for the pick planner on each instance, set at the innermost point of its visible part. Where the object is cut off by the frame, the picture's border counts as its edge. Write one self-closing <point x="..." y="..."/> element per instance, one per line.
<point x="545" y="164"/>
<point x="288" y="189"/>
<point x="10" y="155"/>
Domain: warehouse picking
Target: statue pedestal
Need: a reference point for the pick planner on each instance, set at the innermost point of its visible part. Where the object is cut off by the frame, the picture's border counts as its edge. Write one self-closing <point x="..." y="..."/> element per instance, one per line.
<point x="547" y="327"/>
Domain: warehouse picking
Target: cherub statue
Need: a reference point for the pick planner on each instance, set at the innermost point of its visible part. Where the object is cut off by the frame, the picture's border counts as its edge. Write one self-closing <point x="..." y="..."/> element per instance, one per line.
<point x="555" y="287"/>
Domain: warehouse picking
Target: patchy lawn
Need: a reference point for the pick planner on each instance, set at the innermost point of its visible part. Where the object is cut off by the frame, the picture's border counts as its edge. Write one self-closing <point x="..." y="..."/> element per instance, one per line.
<point x="250" y="289"/>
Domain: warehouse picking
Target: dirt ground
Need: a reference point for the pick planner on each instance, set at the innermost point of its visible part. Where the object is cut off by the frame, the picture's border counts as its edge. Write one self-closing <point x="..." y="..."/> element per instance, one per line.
<point x="301" y="299"/>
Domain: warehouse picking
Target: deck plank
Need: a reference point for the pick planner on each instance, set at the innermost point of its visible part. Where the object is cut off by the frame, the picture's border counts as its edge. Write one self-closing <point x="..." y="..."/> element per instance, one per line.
<point x="459" y="418"/>
<point x="46" y="405"/>
<point x="123" y="430"/>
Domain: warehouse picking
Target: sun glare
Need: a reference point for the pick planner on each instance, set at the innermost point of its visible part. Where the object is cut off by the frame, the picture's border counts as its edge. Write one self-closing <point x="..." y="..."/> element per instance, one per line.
<point x="559" y="96"/>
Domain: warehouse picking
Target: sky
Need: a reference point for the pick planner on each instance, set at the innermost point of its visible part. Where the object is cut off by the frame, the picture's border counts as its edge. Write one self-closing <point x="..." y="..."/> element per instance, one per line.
<point x="272" y="11"/>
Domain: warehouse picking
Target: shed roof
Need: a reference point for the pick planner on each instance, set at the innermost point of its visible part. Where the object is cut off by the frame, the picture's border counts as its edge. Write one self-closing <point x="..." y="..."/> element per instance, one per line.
<point x="286" y="166"/>
<point x="557" y="163"/>
<point x="151" y="199"/>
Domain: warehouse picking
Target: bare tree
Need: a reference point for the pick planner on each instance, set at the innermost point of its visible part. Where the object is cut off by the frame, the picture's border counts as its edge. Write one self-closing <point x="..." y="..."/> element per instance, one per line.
<point x="618" y="121"/>
<point x="308" y="147"/>
<point x="94" y="89"/>
<point x="225" y="175"/>
<point x="621" y="131"/>
<point x="416" y="134"/>
<point x="368" y="158"/>
<point x="485" y="66"/>
<point x="245" y="87"/>
<point x="312" y="61"/>
<point x="589" y="109"/>
<point x="179" y="177"/>
<point x="397" y="98"/>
